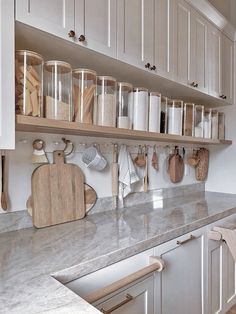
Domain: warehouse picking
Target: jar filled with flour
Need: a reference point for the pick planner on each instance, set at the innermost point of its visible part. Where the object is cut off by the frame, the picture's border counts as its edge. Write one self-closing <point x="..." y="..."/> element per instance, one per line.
<point x="84" y="95"/>
<point x="57" y="90"/>
<point x="199" y="121"/>
<point x="124" y="90"/>
<point x="207" y="122"/>
<point x="106" y="101"/>
<point x="140" y="112"/>
<point x="154" y="123"/>
<point x="175" y="116"/>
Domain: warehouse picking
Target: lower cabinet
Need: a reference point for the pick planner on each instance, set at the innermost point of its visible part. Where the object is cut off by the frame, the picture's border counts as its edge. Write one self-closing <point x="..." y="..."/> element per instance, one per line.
<point x="137" y="299"/>
<point x="179" y="288"/>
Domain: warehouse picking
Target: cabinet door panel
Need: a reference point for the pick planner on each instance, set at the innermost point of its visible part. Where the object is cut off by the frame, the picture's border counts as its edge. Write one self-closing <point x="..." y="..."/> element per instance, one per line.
<point x="165" y="50"/>
<point x="54" y="16"/>
<point x="7" y="86"/>
<point x="230" y="277"/>
<point x="227" y="68"/>
<point x="214" y="61"/>
<point x="180" y="285"/>
<point x="198" y="51"/>
<point x="135" y="22"/>
<point x="183" y="42"/>
<point x="96" y="20"/>
<point x="142" y="302"/>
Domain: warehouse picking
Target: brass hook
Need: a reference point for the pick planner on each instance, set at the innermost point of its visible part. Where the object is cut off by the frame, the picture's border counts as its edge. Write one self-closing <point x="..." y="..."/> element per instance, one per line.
<point x="67" y="142"/>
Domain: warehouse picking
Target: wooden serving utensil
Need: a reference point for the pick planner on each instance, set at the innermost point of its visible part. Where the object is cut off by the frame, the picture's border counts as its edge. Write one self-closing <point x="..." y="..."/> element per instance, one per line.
<point x="145" y="179"/>
<point x="4" y="199"/>
<point x="155" y="163"/>
<point x="140" y="160"/>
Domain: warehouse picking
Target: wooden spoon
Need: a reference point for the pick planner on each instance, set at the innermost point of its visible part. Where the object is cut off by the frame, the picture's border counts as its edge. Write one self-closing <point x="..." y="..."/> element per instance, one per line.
<point x="155" y="163"/>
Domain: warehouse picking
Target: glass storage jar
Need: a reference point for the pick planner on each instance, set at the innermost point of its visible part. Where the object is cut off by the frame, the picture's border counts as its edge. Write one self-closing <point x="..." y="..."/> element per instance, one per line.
<point x="207" y="122"/>
<point x="123" y="95"/>
<point x="57" y="90"/>
<point x="140" y="115"/>
<point x="28" y="82"/>
<point x="164" y="111"/>
<point x="154" y="124"/>
<point x="106" y="101"/>
<point x="214" y="124"/>
<point x="221" y="131"/>
<point x="188" y="125"/>
<point x="175" y="116"/>
<point x="84" y="95"/>
<point x="199" y="124"/>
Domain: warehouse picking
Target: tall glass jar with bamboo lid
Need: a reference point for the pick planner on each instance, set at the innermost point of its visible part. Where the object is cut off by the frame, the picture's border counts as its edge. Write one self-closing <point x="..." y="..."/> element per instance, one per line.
<point x="29" y="83"/>
<point x="57" y="90"/>
<point x="84" y="95"/>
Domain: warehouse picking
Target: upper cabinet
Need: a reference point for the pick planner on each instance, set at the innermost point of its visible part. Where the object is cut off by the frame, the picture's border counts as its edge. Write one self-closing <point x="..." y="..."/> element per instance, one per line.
<point x="7" y="79"/>
<point x="95" y="25"/>
<point x="135" y="32"/>
<point x="165" y="47"/>
<point x="227" y="67"/>
<point x="54" y="16"/>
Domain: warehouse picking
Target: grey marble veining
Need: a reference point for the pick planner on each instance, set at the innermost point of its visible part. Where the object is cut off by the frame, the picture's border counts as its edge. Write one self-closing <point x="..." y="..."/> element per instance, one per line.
<point x="29" y="257"/>
<point x="17" y="220"/>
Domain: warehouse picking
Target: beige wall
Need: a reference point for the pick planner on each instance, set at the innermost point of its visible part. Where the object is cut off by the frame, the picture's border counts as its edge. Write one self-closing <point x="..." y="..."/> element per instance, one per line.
<point x="227" y="8"/>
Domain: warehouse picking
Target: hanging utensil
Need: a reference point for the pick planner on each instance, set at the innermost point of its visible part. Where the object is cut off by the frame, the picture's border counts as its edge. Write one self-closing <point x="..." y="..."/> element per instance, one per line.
<point x="145" y="179"/>
<point x="175" y="166"/>
<point x="39" y="155"/>
<point x="139" y="160"/>
<point x="4" y="198"/>
<point x="155" y="163"/>
<point x="115" y="167"/>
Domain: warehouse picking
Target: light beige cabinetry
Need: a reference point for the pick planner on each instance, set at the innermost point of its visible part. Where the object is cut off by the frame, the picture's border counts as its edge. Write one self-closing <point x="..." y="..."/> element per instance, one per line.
<point x="227" y="68"/>
<point x="7" y="79"/>
<point x="55" y="16"/>
<point x="95" y="25"/>
<point x="135" y="32"/>
<point x="180" y="287"/>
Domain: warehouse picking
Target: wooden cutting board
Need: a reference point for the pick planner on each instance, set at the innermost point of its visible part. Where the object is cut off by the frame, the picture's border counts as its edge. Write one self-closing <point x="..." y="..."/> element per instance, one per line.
<point x="176" y="167"/>
<point x="57" y="193"/>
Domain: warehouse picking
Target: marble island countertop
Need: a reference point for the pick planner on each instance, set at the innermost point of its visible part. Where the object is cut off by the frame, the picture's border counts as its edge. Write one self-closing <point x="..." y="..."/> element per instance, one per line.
<point x="30" y="257"/>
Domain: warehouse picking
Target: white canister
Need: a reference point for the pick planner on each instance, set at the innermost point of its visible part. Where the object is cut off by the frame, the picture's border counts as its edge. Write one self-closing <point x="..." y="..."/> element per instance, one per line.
<point x="140" y="109"/>
<point x="154" y="112"/>
<point x="123" y="92"/>
<point x="175" y="117"/>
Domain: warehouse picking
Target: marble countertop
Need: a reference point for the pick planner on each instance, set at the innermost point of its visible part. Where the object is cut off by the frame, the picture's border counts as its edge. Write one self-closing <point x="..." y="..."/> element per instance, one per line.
<point x="29" y="257"/>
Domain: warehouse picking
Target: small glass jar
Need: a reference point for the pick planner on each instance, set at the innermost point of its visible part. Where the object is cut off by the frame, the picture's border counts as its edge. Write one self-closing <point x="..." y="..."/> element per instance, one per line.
<point x="188" y="125"/>
<point x="123" y="95"/>
<point x="207" y="122"/>
<point x="164" y="114"/>
<point x="106" y="101"/>
<point x="84" y="95"/>
<point x="221" y="117"/>
<point x="214" y="124"/>
<point x="140" y="118"/>
<point x="175" y="117"/>
<point x="154" y="124"/>
<point x="58" y="90"/>
<point x="198" y="121"/>
<point x="29" y="84"/>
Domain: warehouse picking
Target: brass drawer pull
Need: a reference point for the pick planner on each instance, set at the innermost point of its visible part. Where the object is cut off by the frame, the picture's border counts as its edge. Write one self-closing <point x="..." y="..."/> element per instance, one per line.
<point x="128" y="298"/>
<point x="192" y="237"/>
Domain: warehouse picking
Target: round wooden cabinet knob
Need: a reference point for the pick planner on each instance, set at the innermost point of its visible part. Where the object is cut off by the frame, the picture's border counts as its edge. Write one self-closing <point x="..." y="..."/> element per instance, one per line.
<point x="71" y="34"/>
<point x="153" y="68"/>
<point x="147" y="65"/>
<point x="81" y="38"/>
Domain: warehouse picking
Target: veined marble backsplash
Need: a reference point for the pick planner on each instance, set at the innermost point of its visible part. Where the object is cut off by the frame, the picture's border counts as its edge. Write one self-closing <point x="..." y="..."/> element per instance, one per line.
<point x="17" y="220"/>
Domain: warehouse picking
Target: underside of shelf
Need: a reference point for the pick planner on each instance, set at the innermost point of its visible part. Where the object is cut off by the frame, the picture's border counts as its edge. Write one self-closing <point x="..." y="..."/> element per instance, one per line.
<point x="43" y="125"/>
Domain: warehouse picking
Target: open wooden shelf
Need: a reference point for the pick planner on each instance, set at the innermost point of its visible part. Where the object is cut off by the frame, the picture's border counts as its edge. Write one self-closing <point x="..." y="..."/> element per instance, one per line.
<point x="43" y="125"/>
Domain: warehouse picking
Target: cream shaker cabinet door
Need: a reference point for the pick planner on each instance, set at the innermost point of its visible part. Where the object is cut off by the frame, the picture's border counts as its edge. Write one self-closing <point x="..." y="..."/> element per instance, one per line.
<point x="165" y="48"/>
<point x="138" y="299"/>
<point x="214" y="60"/>
<point x="179" y="288"/>
<point x="7" y="79"/>
<point x="183" y="41"/>
<point x="95" y="25"/>
<point x="230" y="280"/>
<point x="54" y="16"/>
<point x="135" y="31"/>
<point x="227" y="69"/>
<point x="198" y="52"/>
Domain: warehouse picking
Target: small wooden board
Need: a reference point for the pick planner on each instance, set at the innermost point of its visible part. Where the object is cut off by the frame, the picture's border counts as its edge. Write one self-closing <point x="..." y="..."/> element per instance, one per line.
<point x="57" y="193"/>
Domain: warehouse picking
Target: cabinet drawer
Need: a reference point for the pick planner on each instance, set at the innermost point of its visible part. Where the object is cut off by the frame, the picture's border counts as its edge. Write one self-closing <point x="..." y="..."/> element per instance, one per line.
<point x="86" y="285"/>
